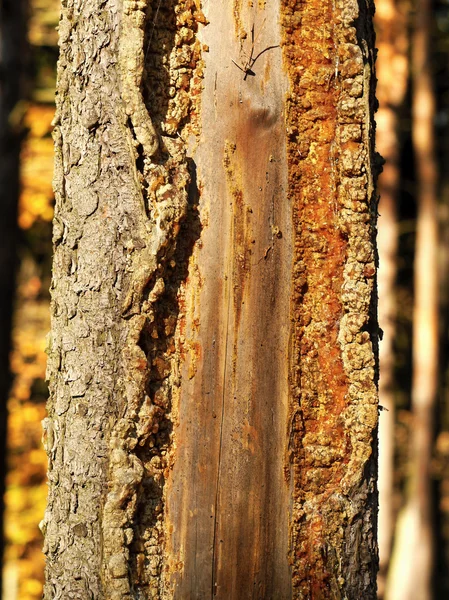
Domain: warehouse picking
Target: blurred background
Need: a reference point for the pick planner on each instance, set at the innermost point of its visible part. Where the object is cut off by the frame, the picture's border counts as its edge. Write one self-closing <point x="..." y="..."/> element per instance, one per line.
<point x="413" y="138"/>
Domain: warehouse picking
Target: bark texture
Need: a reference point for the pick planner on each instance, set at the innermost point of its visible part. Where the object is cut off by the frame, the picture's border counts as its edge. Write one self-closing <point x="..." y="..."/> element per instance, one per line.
<point x="212" y="362"/>
<point x="121" y="195"/>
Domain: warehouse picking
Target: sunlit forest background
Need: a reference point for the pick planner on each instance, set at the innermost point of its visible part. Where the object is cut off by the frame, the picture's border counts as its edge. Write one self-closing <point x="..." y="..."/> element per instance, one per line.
<point x="413" y="236"/>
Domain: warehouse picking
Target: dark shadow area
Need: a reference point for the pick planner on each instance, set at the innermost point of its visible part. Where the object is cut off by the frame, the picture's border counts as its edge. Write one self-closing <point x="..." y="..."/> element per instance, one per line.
<point x="12" y="46"/>
<point x="159" y="42"/>
<point x="158" y="343"/>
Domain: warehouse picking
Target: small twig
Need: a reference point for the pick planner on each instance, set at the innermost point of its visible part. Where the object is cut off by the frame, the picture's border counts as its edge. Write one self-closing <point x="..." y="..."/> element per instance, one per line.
<point x="247" y="68"/>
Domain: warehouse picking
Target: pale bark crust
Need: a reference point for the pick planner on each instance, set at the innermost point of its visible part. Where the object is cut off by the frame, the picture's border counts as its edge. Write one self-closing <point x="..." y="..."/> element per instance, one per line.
<point x="158" y="490"/>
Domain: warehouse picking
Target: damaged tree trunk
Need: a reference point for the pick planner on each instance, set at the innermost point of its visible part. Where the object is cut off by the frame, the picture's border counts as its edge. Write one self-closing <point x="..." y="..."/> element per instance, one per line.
<point x="213" y="412"/>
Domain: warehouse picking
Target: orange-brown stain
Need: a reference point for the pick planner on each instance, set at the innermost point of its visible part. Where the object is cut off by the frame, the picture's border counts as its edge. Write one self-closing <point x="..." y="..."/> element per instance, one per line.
<point x="319" y="383"/>
<point x="241" y="230"/>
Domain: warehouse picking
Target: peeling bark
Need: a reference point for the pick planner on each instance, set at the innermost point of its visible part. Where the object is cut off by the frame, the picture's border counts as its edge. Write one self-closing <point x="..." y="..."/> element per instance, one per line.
<point x="212" y="365"/>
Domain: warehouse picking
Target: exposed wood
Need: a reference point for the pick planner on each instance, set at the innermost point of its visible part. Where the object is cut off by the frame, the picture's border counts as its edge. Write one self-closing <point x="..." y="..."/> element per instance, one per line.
<point x="228" y="498"/>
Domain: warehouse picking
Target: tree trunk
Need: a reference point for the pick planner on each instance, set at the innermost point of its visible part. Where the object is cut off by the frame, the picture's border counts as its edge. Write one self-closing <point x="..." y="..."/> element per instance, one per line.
<point x="391" y="23"/>
<point x="213" y="411"/>
<point x="412" y="569"/>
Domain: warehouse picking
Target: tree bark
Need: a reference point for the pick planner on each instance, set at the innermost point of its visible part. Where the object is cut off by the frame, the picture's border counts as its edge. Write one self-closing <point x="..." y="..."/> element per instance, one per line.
<point x="213" y="411"/>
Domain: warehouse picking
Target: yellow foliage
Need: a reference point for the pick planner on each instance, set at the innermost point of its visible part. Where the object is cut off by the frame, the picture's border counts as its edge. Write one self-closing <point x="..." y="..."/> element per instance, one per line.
<point x="36" y="198"/>
<point x="32" y="587"/>
<point x="26" y="491"/>
<point x="42" y="23"/>
<point x="26" y="488"/>
<point x="38" y="120"/>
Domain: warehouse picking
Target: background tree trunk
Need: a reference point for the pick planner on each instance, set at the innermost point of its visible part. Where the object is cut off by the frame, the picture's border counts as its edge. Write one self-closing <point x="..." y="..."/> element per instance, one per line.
<point x="213" y="412"/>
<point x="411" y="573"/>
<point x="12" y="20"/>
<point x="392" y="68"/>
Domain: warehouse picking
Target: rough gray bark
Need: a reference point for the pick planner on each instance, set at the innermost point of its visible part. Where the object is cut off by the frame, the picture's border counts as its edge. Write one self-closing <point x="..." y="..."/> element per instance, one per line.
<point x="199" y="323"/>
<point x="107" y="432"/>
